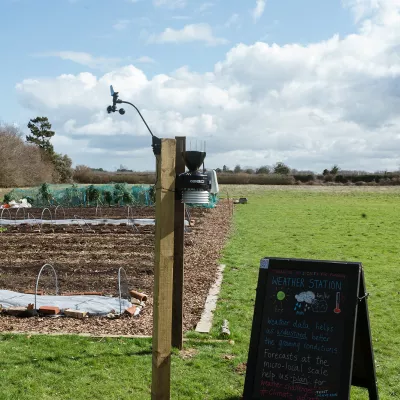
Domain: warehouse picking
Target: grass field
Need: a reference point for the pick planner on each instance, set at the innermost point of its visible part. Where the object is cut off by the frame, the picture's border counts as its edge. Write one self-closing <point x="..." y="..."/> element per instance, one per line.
<point x="303" y="222"/>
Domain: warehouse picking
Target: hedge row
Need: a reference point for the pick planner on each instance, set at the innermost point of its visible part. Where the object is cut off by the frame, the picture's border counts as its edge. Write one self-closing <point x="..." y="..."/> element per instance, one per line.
<point x="86" y="175"/>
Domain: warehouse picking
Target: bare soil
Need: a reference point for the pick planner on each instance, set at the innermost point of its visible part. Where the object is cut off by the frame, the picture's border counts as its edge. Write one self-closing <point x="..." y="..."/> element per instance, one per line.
<point x="90" y="261"/>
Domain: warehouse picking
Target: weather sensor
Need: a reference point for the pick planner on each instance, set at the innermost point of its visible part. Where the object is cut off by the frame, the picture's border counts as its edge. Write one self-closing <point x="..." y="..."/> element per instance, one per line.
<point x="194" y="186"/>
<point x="156" y="142"/>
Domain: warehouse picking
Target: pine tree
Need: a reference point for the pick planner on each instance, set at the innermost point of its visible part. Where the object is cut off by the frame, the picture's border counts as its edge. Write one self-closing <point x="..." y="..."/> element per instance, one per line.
<point x="335" y="169"/>
<point x="281" y="168"/>
<point x="41" y="134"/>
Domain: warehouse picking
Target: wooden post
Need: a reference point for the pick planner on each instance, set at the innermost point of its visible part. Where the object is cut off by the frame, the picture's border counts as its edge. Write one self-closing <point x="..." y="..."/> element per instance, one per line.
<point x="177" y="300"/>
<point x="163" y="271"/>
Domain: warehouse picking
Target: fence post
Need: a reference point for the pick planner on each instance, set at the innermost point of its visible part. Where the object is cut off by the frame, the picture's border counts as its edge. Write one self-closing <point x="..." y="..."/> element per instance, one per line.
<point x="163" y="271"/>
<point x="177" y="301"/>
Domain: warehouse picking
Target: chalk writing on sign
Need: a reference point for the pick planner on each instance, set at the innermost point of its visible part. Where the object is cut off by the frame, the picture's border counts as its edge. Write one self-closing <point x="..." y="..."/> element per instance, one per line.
<point x="302" y="333"/>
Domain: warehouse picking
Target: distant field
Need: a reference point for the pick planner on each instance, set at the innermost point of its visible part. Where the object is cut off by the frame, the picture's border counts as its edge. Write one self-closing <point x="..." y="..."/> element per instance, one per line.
<point x="261" y="190"/>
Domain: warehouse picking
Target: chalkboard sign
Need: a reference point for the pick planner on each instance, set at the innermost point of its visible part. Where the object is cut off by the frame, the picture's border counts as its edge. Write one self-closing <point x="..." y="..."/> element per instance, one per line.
<point x="304" y="331"/>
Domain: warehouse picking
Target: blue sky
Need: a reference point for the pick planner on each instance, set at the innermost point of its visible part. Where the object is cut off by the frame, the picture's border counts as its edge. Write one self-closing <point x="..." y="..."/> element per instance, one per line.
<point x="115" y="29"/>
<point x="44" y="39"/>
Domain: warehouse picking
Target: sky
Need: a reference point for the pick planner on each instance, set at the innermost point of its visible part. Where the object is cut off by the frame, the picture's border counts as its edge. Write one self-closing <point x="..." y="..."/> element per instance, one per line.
<point x="309" y="83"/>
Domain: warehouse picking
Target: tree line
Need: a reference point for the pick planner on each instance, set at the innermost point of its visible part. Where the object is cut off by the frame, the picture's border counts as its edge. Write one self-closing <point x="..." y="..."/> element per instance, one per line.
<point x="279" y="168"/>
<point x="31" y="160"/>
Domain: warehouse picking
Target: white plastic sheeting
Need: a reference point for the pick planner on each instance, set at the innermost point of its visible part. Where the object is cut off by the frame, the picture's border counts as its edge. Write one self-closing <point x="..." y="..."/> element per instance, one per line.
<point x="94" y="305"/>
<point x="212" y="177"/>
<point x="79" y="221"/>
<point x="23" y="203"/>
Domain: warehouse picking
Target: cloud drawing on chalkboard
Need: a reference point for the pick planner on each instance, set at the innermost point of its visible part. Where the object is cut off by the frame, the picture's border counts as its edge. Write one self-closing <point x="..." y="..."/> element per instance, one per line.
<point x="307" y="297"/>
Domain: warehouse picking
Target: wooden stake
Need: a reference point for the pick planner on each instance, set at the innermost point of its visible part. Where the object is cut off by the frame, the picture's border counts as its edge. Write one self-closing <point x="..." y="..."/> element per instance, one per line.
<point x="177" y="301"/>
<point x="163" y="271"/>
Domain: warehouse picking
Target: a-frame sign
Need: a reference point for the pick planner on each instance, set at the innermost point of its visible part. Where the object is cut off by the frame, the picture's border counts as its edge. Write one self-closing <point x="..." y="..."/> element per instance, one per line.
<point x="311" y="335"/>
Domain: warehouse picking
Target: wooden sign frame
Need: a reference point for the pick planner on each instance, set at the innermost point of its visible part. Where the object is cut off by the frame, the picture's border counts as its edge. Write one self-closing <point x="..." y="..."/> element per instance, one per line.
<point x="357" y="365"/>
<point x="364" y="374"/>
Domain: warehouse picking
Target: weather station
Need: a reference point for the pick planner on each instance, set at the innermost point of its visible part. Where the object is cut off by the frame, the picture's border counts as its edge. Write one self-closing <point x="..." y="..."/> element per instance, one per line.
<point x="174" y="189"/>
<point x="193" y="186"/>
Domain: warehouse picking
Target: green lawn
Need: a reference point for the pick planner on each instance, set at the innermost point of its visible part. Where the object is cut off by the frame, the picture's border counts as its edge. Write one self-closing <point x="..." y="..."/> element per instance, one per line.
<point x="303" y="222"/>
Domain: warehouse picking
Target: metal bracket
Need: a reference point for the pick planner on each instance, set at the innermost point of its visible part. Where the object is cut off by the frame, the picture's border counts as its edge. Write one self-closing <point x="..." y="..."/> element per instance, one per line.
<point x="364" y="297"/>
<point x="156" y="145"/>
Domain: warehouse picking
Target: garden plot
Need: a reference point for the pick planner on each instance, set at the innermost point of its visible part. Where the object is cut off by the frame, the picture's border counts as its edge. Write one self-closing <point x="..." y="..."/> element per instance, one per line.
<point x="86" y="219"/>
<point x="61" y="212"/>
<point x="90" y="262"/>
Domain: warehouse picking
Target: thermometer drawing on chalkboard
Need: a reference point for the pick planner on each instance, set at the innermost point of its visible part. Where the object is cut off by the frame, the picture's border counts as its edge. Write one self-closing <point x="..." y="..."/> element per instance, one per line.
<point x="337" y="310"/>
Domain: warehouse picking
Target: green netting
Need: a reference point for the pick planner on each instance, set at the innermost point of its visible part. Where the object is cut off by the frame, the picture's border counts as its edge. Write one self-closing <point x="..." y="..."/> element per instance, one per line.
<point x="93" y="195"/>
<point x="84" y="196"/>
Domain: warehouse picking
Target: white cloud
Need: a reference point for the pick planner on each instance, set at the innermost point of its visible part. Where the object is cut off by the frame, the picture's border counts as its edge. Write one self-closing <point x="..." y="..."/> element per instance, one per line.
<point x="376" y="9"/>
<point x="189" y="33"/>
<point x="361" y="8"/>
<point x="122" y="24"/>
<point x="145" y="60"/>
<point x="258" y="10"/>
<point x="233" y="20"/>
<point x="83" y="58"/>
<point x="331" y="102"/>
<point x="172" y="4"/>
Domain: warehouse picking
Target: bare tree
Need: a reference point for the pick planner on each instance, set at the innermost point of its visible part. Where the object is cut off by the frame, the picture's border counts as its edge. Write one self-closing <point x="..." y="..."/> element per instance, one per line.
<point x="21" y="163"/>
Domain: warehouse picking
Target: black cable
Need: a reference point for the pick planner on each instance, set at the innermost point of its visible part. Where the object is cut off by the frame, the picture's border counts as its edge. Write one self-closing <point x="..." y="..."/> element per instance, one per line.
<point x="141" y="116"/>
<point x="151" y="133"/>
<point x="155" y="183"/>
